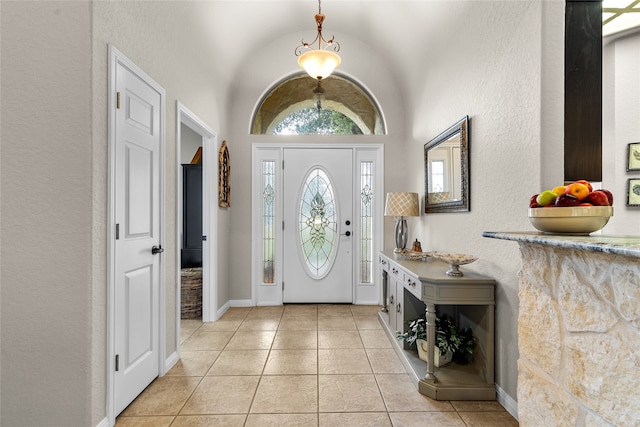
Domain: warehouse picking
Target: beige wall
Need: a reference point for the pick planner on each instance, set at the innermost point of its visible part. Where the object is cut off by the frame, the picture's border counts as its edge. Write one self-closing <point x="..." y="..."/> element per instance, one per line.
<point x="500" y="67"/>
<point x="620" y="108"/>
<point x="46" y="251"/>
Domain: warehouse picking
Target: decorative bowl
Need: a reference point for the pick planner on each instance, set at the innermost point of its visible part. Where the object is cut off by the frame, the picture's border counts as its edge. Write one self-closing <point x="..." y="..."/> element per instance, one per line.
<point x="580" y="220"/>
<point x="455" y="261"/>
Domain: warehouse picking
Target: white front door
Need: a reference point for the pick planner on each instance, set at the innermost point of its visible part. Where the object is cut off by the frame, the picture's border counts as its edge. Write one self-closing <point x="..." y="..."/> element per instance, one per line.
<point x="137" y="246"/>
<point x="318" y="225"/>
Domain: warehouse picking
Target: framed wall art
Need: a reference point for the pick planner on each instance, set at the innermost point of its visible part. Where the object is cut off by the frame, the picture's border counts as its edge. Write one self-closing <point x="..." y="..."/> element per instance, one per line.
<point x="633" y="192"/>
<point x="633" y="157"/>
<point x="224" y="176"/>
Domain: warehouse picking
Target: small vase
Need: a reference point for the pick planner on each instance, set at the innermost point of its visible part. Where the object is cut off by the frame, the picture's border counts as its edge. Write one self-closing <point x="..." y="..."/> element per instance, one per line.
<point x="438" y="360"/>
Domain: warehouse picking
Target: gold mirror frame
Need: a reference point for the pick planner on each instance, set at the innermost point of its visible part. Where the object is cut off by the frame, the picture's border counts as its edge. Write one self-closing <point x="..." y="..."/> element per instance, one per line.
<point x="454" y="198"/>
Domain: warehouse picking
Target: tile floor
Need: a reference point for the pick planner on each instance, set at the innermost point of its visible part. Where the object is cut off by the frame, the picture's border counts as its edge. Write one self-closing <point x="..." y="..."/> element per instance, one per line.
<point x="296" y="365"/>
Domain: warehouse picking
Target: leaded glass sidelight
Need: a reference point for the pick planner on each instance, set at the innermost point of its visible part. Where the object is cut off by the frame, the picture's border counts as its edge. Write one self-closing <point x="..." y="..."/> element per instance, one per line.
<point x="268" y="221"/>
<point x="366" y="222"/>
<point x="317" y="223"/>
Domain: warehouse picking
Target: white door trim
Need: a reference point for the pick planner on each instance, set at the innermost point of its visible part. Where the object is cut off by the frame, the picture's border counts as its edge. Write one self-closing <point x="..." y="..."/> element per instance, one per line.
<point x="271" y="294"/>
<point x="116" y="57"/>
<point x="209" y="215"/>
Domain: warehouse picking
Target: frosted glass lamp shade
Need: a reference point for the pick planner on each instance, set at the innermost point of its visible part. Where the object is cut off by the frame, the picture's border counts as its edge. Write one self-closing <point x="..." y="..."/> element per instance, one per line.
<point x="402" y="204"/>
<point x="319" y="64"/>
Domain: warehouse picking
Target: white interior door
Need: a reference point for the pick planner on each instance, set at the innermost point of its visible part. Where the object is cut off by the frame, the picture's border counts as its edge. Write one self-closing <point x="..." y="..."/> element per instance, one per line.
<point x="318" y="225"/>
<point x="137" y="245"/>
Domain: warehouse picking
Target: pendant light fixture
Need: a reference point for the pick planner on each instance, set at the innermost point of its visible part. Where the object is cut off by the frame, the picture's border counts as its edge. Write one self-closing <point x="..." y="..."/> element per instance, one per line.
<point x="319" y="63"/>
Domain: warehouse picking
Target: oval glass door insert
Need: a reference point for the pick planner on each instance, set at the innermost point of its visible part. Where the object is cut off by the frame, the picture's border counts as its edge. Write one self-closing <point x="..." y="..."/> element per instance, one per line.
<point x="317" y="224"/>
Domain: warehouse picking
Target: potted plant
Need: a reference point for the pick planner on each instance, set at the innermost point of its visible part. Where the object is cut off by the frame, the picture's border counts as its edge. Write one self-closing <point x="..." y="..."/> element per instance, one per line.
<point x="451" y="343"/>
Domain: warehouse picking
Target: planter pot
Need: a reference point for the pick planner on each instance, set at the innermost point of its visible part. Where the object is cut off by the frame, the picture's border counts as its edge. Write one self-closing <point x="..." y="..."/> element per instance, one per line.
<point x="438" y="360"/>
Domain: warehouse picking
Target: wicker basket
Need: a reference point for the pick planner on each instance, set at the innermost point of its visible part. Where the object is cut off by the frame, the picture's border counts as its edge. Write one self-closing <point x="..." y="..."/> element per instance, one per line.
<point x="191" y="293"/>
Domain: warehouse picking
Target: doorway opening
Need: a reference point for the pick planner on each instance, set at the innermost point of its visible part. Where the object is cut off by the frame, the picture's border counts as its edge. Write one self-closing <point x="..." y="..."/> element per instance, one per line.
<point x="196" y="219"/>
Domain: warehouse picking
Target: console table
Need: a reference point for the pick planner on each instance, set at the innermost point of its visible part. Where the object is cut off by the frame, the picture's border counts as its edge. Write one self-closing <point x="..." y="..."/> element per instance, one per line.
<point x="412" y="288"/>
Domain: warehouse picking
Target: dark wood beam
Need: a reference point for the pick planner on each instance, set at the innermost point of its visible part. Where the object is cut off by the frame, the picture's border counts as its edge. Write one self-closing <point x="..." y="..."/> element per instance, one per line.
<point x="583" y="91"/>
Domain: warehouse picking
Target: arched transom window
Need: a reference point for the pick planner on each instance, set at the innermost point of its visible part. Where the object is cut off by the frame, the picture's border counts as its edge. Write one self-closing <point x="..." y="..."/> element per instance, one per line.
<point x="300" y="105"/>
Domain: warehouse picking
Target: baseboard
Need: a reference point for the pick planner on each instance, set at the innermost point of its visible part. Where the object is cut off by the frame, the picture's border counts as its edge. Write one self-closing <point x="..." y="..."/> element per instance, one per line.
<point x="103" y="423"/>
<point x="241" y="303"/>
<point x="507" y="401"/>
<point x="171" y="361"/>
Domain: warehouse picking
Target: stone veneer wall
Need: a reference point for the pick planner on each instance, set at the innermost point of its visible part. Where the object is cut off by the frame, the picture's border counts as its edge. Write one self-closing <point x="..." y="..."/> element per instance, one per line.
<point x="579" y="338"/>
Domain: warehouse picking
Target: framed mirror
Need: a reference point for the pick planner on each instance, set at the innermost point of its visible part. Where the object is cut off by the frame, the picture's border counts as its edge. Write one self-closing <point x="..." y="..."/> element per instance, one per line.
<point x="446" y="167"/>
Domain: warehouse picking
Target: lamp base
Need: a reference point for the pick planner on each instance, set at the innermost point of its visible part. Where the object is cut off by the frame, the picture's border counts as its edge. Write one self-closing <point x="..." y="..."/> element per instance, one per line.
<point x="401" y="235"/>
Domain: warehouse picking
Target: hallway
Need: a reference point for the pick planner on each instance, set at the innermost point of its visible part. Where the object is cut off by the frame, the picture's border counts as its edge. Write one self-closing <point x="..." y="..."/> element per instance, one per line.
<point x="302" y="365"/>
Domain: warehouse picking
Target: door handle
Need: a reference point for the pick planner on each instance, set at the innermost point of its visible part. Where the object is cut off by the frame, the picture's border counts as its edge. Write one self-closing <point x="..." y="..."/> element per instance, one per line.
<point x="157" y="250"/>
<point x="348" y="233"/>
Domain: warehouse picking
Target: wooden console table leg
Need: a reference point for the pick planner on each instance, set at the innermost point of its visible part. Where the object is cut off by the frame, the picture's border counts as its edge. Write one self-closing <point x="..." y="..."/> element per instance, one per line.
<point x="385" y="291"/>
<point x="431" y="342"/>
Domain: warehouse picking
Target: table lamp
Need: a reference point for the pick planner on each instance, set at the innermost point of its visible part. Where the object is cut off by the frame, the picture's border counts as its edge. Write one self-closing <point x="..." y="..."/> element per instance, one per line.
<point x="400" y="205"/>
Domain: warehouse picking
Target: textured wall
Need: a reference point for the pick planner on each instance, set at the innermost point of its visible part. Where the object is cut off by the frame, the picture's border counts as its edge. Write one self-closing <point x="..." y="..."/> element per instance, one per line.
<point x="46" y="248"/>
<point x="579" y="338"/>
<point x="504" y="68"/>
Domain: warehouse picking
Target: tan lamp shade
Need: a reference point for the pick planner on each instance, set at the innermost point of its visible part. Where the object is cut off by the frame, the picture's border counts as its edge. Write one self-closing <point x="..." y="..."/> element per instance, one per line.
<point x="402" y="204"/>
<point x="319" y="64"/>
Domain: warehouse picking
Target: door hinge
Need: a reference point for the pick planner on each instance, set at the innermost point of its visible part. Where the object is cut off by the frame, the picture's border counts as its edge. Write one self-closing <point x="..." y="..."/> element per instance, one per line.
<point x="117" y="362"/>
<point x="117" y="231"/>
<point x="283" y="285"/>
<point x="283" y="225"/>
<point x="283" y="164"/>
<point x="117" y="100"/>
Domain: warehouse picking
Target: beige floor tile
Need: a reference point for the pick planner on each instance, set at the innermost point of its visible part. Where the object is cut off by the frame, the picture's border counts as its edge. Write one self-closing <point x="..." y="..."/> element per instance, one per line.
<point x="366" y="419"/>
<point x="421" y="419"/>
<point x="334" y="310"/>
<point x="339" y="339"/>
<point x="374" y="338"/>
<point x="298" y="324"/>
<point x="222" y="395"/>
<point x="297" y="310"/>
<point x="385" y="361"/>
<point x="235" y="313"/>
<point x="349" y="393"/>
<point x="400" y="395"/>
<point x="157" y="421"/>
<point x="367" y="322"/>
<point x="267" y="312"/>
<point x="336" y="324"/>
<point x="477" y="406"/>
<point x="292" y="362"/>
<point x="230" y="325"/>
<point x="343" y="361"/>
<point x="251" y="340"/>
<point x="193" y="363"/>
<point x="280" y="420"/>
<point x="164" y="396"/>
<point x="488" y="419"/>
<point x="203" y="340"/>
<point x="295" y="340"/>
<point x="239" y="362"/>
<point x="286" y="394"/>
<point x="209" y="421"/>
<point x="188" y="327"/>
<point x="365" y="310"/>
<point x="266" y="324"/>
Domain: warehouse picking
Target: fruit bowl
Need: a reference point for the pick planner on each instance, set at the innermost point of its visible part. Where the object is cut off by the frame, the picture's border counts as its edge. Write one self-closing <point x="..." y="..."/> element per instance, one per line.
<point x="570" y="220"/>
